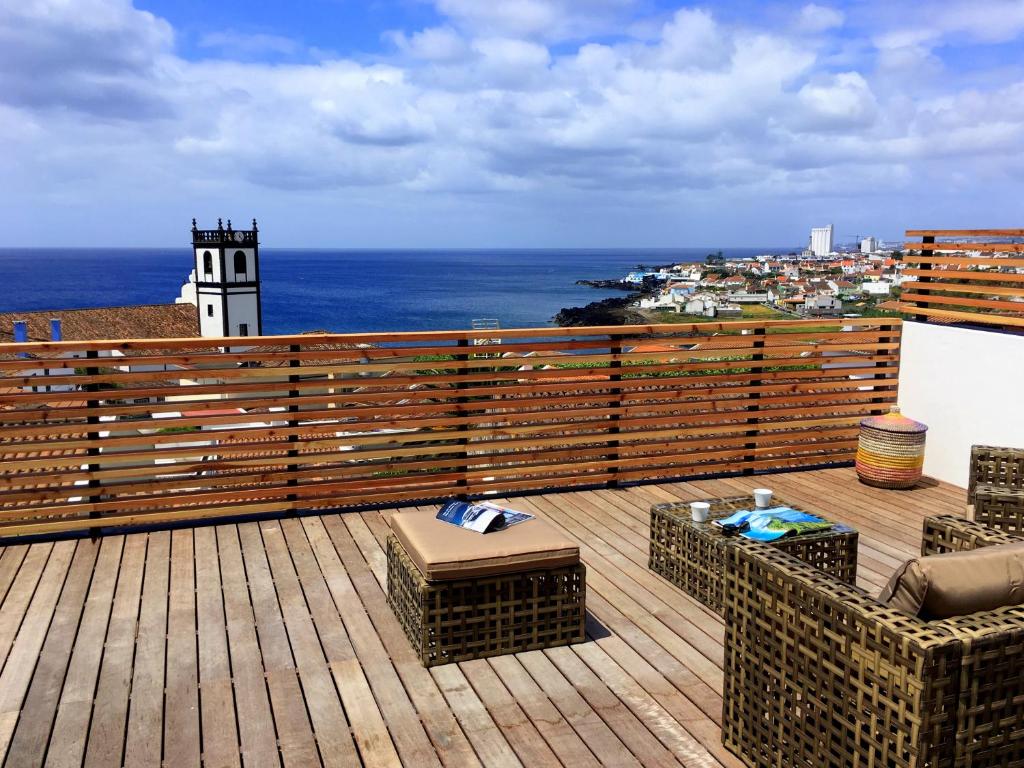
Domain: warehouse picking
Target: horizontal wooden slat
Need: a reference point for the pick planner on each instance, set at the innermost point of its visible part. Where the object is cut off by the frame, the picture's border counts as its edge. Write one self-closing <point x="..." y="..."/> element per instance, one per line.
<point x="963" y="317"/>
<point x="959" y="301"/>
<point x="965" y="233"/>
<point x="945" y="286"/>
<point x="966" y="261"/>
<point x="980" y="247"/>
<point x="965" y="275"/>
<point x="623" y="331"/>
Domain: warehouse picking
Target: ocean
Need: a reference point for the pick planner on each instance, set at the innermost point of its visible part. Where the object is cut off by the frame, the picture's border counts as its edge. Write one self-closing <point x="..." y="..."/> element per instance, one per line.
<point x="345" y="290"/>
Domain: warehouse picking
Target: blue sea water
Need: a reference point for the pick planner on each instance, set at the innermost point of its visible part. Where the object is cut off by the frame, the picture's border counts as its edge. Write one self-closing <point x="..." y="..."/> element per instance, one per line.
<point x="344" y="290"/>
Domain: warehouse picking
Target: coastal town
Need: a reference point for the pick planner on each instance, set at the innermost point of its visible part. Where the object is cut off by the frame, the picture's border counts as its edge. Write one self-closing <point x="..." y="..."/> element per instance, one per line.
<point x="820" y="281"/>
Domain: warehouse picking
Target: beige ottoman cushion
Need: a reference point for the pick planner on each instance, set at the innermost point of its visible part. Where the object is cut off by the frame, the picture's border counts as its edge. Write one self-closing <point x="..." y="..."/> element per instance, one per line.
<point x="443" y="551"/>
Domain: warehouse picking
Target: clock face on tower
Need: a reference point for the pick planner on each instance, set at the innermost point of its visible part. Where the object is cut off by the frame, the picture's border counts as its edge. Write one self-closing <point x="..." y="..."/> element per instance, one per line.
<point x="239" y="237"/>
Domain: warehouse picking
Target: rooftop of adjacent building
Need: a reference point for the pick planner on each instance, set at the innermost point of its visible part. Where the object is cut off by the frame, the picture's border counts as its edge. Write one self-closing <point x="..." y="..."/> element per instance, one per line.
<point x="152" y="321"/>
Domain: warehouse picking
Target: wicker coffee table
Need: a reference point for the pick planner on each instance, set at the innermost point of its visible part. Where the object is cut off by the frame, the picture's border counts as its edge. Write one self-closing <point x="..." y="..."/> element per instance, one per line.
<point x="691" y="555"/>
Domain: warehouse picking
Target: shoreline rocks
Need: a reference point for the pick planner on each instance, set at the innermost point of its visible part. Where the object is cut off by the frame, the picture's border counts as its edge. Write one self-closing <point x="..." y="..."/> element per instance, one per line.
<point x="613" y="311"/>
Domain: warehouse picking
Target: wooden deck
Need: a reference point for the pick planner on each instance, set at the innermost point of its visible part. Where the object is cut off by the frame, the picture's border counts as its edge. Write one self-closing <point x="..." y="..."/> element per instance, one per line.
<point x="265" y="643"/>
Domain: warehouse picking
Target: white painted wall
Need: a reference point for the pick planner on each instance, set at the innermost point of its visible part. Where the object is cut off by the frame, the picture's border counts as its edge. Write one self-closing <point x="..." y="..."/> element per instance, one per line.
<point x="966" y="385"/>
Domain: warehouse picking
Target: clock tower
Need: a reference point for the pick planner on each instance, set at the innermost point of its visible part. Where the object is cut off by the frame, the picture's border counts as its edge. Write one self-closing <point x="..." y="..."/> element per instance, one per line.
<point x="227" y="280"/>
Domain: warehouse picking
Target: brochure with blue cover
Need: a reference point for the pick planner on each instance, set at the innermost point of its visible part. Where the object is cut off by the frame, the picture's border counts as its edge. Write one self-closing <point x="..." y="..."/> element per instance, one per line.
<point x="482" y="517"/>
<point x="774" y="523"/>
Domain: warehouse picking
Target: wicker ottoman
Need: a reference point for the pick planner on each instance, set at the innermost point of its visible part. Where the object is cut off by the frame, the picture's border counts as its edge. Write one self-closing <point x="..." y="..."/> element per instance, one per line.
<point x="692" y="555"/>
<point x="462" y="595"/>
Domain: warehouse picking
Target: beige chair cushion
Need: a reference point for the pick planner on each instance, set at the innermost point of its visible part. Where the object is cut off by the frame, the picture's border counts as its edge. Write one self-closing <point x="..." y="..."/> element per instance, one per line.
<point x="958" y="583"/>
<point x="443" y="551"/>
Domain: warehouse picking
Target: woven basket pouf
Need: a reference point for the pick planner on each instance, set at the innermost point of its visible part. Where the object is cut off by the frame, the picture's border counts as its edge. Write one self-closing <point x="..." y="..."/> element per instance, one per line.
<point x="890" y="453"/>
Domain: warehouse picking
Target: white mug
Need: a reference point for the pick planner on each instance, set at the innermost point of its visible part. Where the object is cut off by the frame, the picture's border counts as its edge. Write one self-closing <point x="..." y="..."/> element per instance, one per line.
<point x="762" y="497"/>
<point x="699" y="511"/>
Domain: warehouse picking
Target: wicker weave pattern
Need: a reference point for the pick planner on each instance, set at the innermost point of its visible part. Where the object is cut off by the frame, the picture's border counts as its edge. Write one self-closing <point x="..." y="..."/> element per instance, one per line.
<point x="818" y="673"/>
<point x="692" y="555"/>
<point x="465" y="619"/>
<point x="948" y="533"/>
<point x="996" y="487"/>
<point x="995" y="467"/>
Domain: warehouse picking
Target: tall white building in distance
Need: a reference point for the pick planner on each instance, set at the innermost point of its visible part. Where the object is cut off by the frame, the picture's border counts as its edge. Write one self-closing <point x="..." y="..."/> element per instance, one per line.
<point x="869" y="245"/>
<point x="821" y="240"/>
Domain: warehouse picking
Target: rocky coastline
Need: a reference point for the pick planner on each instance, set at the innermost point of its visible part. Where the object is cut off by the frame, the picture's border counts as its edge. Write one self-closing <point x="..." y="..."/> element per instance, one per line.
<point x="612" y="311"/>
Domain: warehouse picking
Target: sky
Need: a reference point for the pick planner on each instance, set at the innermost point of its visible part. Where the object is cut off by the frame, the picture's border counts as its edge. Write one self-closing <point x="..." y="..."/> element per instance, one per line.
<point x="507" y="123"/>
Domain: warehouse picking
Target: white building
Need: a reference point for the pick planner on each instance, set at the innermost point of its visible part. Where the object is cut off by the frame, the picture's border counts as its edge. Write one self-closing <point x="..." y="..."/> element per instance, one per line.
<point x="821" y="241"/>
<point x="225" y="283"/>
<point x="869" y="245"/>
<point x="821" y="304"/>
<point x="876" y="288"/>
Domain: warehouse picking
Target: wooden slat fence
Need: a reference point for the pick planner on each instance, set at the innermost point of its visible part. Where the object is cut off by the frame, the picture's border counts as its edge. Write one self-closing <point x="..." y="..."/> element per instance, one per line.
<point x="965" y="276"/>
<point x="152" y="431"/>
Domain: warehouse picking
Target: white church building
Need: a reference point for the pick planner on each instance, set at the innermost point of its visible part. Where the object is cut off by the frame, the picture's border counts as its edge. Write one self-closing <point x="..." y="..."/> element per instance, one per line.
<point x="224" y="284"/>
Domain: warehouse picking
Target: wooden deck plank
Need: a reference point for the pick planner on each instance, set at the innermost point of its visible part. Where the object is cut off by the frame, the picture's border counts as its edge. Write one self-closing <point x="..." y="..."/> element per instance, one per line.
<point x="28" y="745"/>
<point x="24" y="581"/>
<point x="217" y="705"/>
<point x="598" y="727"/>
<point x="651" y="734"/>
<point x="11" y="559"/>
<point x="294" y="731"/>
<point x="105" y="745"/>
<point x="520" y="732"/>
<point x="487" y="738"/>
<point x="563" y="740"/>
<point x="144" y="744"/>
<point x="71" y="726"/>
<point x="260" y="643"/>
<point x="24" y="653"/>
<point x="256" y="727"/>
<point x="330" y="726"/>
<point x="368" y="727"/>
<point x="181" y="704"/>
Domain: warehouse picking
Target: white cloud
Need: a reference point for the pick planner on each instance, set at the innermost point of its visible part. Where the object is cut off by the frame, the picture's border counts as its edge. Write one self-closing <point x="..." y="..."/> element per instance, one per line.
<point x="232" y="44"/>
<point x="819" y="18"/>
<point x="546" y="19"/>
<point x="432" y="44"/>
<point x="843" y="101"/>
<point x="101" y="111"/>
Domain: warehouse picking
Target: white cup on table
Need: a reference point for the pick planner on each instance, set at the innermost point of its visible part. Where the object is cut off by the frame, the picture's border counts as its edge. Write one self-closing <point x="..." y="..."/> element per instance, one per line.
<point x="762" y="498"/>
<point x="699" y="511"/>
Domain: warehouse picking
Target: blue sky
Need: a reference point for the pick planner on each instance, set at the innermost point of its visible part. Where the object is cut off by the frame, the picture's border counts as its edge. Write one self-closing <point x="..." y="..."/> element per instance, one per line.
<point x="461" y="123"/>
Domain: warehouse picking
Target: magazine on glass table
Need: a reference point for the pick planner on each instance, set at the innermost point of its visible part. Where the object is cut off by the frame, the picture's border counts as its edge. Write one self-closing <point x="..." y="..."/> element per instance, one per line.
<point x="771" y="524"/>
<point x="482" y="517"/>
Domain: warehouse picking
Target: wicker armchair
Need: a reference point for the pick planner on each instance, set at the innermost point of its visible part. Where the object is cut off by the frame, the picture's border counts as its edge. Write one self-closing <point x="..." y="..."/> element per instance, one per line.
<point x="818" y="673"/>
<point x="996" y="487"/>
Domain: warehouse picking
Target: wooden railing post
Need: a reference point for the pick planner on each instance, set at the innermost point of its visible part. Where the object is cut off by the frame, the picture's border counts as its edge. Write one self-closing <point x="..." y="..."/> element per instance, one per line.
<point x="754" y="402"/>
<point x="463" y="370"/>
<point x="616" y="403"/>
<point x="925" y="266"/>
<point x="883" y="367"/>
<point x="93" y="436"/>
<point x="293" y="425"/>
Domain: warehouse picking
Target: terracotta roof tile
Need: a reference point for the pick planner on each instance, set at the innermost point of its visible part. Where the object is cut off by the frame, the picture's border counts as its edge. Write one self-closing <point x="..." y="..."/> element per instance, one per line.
<point x="144" y="321"/>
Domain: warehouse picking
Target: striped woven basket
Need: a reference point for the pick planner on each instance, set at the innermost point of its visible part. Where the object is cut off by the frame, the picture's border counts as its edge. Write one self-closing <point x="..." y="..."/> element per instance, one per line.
<point x="890" y="453"/>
